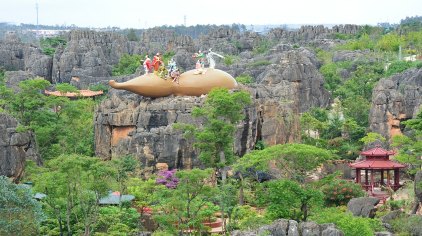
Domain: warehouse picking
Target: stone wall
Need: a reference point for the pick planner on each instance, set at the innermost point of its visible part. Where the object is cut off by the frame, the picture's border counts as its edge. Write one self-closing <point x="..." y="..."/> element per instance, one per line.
<point x="15" y="148"/>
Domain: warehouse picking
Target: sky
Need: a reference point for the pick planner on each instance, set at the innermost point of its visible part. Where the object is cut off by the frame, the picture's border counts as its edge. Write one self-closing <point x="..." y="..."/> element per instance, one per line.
<point x="145" y="14"/>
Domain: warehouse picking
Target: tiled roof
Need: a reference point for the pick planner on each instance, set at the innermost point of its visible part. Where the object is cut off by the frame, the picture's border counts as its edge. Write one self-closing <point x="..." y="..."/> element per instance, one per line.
<point x="377" y="152"/>
<point x="376" y="164"/>
<point x="83" y="93"/>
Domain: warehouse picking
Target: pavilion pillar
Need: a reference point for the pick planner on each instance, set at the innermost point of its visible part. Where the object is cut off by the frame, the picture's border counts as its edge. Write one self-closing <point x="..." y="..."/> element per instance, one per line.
<point x="366" y="177"/>
<point x="388" y="178"/>
<point x="358" y="176"/>
<point x="396" y="179"/>
<point x="382" y="177"/>
<point x="372" y="180"/>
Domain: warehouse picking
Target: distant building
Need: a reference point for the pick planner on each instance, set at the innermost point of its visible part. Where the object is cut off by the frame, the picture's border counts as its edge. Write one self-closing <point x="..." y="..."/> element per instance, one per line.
<point x="114" y="198"/>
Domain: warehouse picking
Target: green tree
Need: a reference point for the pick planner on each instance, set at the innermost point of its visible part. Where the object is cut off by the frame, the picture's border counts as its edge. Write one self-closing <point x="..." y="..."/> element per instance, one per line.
<point x="186" y="203"/>
<point x="372" y="137"/>
<point x="293" y="161"/>
<point x="390" y="42"/>
<point x="73" y="185"/>
<point x="144" y="192"/>
<point x="20" y="213"/>
<point x="116" y="221"/>
<point x="27" y="103"/>
<point x="288" y="199"/>
<point x="410" y="147"/>
<point x="221" y="112"/>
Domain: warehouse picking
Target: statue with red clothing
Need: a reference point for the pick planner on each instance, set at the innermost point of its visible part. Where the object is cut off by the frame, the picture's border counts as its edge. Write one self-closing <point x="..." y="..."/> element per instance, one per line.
<point x="147" y="65"/>
<point x="156" y="61"/>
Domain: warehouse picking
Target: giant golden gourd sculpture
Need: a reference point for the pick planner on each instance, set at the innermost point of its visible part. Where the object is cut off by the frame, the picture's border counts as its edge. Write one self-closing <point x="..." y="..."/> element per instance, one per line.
<point x="191" y="83"/>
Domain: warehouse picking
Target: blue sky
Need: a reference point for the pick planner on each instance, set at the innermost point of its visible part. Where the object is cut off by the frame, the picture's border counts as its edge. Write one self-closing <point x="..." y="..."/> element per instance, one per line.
<point x="141" y="13"/>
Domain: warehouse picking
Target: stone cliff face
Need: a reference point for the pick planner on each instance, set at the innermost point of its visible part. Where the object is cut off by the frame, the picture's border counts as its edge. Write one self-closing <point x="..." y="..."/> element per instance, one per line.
<point x="310" y="33"/>
<point x="88" y="53"/>
<point x="395" y="99"/>
<point x="15" y="55"/>
<point x="15" y="148"/>
<point x="129" y="124"/>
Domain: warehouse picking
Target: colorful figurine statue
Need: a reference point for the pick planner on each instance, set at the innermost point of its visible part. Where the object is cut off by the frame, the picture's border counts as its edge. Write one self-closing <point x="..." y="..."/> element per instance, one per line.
<point x="147" y="65"/>
<point x="173" y="71"/>
<point x="210" y="59"/>
<point x="156" y="61"/>
<point x="200" y="63"/>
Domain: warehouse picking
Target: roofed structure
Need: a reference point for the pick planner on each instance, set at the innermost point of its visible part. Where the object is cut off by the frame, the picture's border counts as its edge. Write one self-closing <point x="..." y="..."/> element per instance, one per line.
<point x="80" y="93"/>
<point x="377" y="160"/>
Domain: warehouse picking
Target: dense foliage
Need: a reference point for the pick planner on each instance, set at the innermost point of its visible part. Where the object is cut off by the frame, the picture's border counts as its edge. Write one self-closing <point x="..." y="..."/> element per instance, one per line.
<point x="127" y="65"/>
<point x="289" y="200"/>
<point x="20" y="213"/>
<point x="49" y="45"/>
<point x="345" y="221"/>
<point x="293" y="161"/>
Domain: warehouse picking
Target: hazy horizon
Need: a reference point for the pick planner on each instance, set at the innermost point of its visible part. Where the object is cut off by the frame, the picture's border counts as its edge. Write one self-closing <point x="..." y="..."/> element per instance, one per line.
<point x="145" y="14"/>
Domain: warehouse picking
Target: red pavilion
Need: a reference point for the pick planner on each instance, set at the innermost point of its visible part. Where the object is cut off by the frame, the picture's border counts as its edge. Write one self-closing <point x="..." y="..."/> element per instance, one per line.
<point x="377" y="161"/>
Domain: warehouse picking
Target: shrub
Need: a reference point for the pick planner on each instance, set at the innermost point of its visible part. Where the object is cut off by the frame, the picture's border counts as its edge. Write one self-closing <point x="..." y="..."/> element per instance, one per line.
<point x="246" y="218"/>
<point x="49" y="45"/>
<point x="259" y="63"/>
<point x="339" y="192"/>
<point x="167" y="178"/>
<point x="398" y="67"/>
<point x="127" y="65"/>
<point x="244" y="79"/>
<point x="346" y="222"/>
<point x="230" y="60"/>
<point x="263" y="47"/>
<point x="99" y="87"/>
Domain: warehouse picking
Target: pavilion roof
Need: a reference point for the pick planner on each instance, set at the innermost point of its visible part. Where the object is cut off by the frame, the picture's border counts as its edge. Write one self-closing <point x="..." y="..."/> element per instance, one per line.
<point x="377" y="152"/>
<point x="376" y="164"/>
<point x="83" y="93"/>
<point x="114" y="198"/>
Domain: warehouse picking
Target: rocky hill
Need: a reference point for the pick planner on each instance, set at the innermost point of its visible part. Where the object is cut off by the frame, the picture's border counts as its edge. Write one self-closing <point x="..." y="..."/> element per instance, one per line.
<point x="395" y="99"/>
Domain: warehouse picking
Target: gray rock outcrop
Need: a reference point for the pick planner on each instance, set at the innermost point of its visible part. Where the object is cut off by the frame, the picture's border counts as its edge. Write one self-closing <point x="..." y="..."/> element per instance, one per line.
<point x="15" y="56"/>
<point x="395" y="99"/>
<point x="13" y="78"/>
<point x="307" y="34"/>
<point x="89" y="53"/>
<point x="284" y="227"/>
<point x="15" y="148"/>
<point x="363" y="206"/>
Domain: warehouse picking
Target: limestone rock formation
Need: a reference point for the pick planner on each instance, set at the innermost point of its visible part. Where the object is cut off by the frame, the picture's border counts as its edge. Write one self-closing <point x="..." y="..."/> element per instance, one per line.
<point x="15" y="148"/>
<point x="363" y="206"/>
<point x="282" y="227"/>
<point x="15" y="56"/>
<point x="89" y="53"/>
<point x="395" y="99"/>
<point x="310" y="33"/>
<point x="13" y="78"/>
